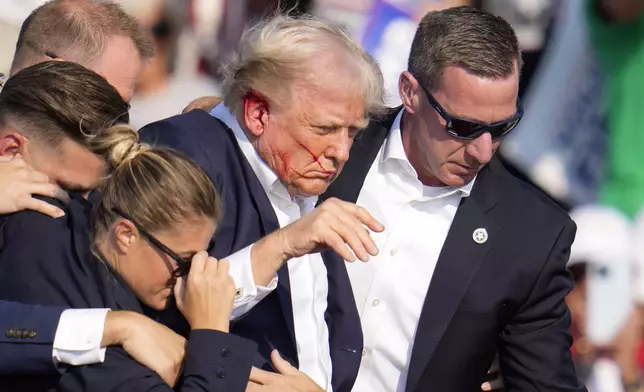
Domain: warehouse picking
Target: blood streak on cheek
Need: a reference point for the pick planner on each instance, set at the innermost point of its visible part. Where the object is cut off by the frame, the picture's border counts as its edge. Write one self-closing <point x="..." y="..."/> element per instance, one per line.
<point x="316" y="158"/>
<point x="285" y="164"/>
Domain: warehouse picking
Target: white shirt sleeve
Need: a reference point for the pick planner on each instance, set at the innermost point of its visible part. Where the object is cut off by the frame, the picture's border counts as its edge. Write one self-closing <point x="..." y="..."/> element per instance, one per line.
<point x="78" y="337"/>
<point x="248" y="293"/>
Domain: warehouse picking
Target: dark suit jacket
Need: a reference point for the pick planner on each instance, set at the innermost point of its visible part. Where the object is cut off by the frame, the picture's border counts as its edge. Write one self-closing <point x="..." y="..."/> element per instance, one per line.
<point x="248" y="216"/>
<point x="27" y="337"/>
<point x="506" y="294"/>
<point x="48" y="261"/>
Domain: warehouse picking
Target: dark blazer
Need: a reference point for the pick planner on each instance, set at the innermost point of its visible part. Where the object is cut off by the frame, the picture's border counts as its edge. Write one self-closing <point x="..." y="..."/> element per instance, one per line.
<point x="506" y="294"/>
<point x="249" y="216"/>
<point x="27" y="337"/>
<point x="48" y="261"/>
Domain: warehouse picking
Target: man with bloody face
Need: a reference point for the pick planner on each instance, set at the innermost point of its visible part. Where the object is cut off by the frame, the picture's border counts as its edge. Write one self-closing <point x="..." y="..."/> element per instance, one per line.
<point x="295" y="97"/>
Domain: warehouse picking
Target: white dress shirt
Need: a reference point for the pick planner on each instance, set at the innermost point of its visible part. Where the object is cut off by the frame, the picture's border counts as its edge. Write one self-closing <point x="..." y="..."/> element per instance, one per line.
<point x="308" y="275"/>
<point x="78" y="337"/>
<point x="390" y="289"/>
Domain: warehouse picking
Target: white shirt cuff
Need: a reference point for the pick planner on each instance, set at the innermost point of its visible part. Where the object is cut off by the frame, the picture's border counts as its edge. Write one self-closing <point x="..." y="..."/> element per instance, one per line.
<point x="78" y="337"/>
<point x="248" y="293"/>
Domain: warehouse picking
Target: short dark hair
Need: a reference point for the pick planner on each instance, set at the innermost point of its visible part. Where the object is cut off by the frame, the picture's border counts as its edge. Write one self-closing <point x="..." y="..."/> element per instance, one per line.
<point x="479" y="42"/>
<point x="56" y="100"/>
<point x="76" y="30"/>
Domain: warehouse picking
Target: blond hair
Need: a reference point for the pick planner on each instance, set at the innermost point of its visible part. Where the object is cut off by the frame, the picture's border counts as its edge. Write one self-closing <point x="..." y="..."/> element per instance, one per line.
<point x="157" y="187"/>
<point x="278" y="52"/>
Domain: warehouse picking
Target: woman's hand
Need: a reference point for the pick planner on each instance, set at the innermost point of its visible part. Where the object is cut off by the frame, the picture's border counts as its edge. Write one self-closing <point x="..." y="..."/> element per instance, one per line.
<point x="206" y="295"/>
<point x="18" y="182"/>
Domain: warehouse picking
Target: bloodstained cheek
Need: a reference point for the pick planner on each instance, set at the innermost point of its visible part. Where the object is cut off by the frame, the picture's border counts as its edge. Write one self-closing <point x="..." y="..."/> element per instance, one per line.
<point x="315" y="157"/>
<point x="285" y="166"/>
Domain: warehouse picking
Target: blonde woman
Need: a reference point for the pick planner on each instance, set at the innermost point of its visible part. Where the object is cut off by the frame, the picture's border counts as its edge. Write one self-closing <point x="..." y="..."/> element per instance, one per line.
<point x="157" y="215"/>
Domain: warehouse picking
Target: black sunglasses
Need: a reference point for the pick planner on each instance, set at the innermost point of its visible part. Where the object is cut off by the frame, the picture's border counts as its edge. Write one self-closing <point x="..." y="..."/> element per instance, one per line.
<point x="462" y="128"/>
<point x="183" y="264"/>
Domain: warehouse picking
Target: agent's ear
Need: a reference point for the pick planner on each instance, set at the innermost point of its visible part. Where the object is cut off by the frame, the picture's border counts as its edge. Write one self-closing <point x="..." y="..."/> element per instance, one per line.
<point x="408" y="90"/>
<point x="256" y="113"/>
<point x="12" y="143"/>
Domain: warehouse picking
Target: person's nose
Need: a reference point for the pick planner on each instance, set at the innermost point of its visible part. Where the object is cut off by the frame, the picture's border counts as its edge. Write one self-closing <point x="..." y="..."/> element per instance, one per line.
<point x="340" y="148"/>
<point x="481" y="148"/>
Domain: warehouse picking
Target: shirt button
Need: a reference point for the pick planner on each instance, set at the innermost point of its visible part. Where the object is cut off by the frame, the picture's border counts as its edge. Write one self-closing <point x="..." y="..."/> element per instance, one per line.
<point x="221" y="373"/>
<point x="364" y="352"/>
<point x="393" y="252"/>
<point x="375" y="302"/>
<point x="225" y="353"/>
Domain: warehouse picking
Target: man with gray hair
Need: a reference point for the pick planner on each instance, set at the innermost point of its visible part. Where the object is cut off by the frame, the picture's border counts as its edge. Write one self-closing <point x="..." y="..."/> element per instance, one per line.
<point x="296" y="95"/>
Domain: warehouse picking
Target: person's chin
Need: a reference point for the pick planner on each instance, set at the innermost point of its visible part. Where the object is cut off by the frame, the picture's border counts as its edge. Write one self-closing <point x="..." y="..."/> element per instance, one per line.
<point x="161" y="301"/>
<point x="457" y="180"/>
<point x="313" y="186"/>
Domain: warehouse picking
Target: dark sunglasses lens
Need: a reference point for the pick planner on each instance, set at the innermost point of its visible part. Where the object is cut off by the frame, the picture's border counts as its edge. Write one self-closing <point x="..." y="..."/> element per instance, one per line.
<point x="502" y="129"/>
<point x="467" y="130"/>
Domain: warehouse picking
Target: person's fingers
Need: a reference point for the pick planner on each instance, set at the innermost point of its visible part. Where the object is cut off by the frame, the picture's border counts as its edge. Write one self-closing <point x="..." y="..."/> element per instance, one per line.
<point x="203" y="103"/>
<point x="282" y="365"/>
<point x="49" y="190"/>
<point x="212" y="266"/>
<point x="260" y="376"/>
<point x="179" y="288"/>
<point x="198" y="264"/>
<point x="367" y="219"/>
<point x="359" y="212"/>
<point x="492" y="385"/>
<point x="29" y="203"/>
<point x="254" y="387"/>
<point x="337" y="244"/>
<point x="16" y="159"/>
<point x="36" y="176"/>
<point x="223" y="269"/>
<point x="349" y="236"/>
<point x="360" y="233"/>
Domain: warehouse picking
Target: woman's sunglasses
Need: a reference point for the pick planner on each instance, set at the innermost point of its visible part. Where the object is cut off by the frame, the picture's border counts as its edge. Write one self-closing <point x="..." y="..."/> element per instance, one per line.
<point x="183" y="264"/>
<point x="462" y="128"/>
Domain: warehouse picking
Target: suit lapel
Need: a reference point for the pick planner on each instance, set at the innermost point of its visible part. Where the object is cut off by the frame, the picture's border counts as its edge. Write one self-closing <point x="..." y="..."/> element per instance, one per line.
<point x="457" y="264"/>
<point x="269" y="223"/>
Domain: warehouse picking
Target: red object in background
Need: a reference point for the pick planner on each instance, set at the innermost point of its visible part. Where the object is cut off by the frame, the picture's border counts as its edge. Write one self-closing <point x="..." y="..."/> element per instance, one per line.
<point x="640" y="356"/>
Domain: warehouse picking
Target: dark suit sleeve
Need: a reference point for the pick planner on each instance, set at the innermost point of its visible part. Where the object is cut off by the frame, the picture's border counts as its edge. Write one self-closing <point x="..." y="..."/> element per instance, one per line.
<point x="215" y="361"/>
<point x="27" y="355"/>
<point x="534" y="347"/>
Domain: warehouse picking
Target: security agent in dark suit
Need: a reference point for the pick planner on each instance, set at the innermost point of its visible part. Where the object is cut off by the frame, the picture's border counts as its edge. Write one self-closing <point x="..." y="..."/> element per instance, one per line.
<point x="499" y="277"/>
<point x="59" y="103"/>
<point x="157" y="210"/>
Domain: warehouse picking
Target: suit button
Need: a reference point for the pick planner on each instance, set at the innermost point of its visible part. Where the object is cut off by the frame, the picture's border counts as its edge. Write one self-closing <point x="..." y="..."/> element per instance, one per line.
<point x="225" y="353"/>
<point x="31" y="334"/>
<point x="221" y="373"/>
<point x="10" y="333"/>
<point x="24" y="333"/>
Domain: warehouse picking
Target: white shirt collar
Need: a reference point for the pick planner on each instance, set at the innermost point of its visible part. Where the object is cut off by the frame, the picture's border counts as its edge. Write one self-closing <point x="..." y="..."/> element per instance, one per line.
<point x="267" y="177"/>
<point x="265" y="174"/>
<point x="393" y="150"/>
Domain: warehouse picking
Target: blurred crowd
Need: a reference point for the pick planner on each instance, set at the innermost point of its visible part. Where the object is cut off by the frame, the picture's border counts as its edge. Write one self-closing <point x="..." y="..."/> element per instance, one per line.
<point x="581" y="86"/>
